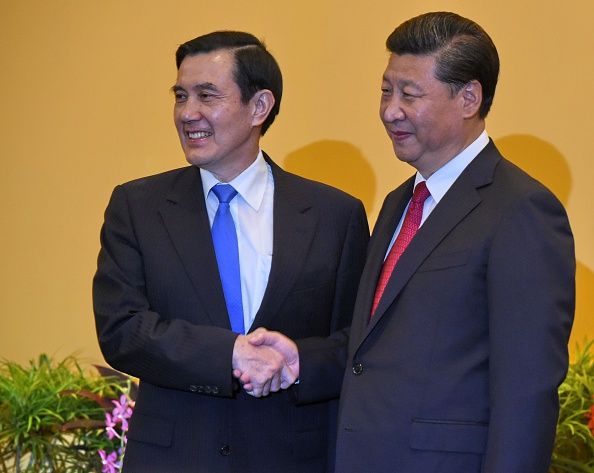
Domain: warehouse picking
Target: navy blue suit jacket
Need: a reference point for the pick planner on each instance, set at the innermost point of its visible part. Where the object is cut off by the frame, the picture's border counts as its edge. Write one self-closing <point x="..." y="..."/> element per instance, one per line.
<point x="457" y="371"/>
<point x="161" y="316"/>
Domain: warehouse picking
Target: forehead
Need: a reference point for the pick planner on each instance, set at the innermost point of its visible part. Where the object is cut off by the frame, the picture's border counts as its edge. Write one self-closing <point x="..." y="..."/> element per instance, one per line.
<point x="410" y="68"/>
<point x="216" y="67"/>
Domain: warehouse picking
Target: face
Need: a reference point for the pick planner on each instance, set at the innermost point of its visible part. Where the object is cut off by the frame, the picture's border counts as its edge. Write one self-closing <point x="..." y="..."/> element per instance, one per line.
<point x="425" y="122"/>
<point x="216" y="130"/>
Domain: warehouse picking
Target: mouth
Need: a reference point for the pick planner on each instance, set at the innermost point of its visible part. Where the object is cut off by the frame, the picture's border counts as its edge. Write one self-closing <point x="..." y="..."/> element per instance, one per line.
<point x="399" y="135"/>
<point x="198" y="135"/>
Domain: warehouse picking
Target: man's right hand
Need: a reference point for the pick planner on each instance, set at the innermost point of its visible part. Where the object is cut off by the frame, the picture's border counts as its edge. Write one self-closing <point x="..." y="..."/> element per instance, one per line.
<point x="260" y="367"/>
<point x="262" y="339"/>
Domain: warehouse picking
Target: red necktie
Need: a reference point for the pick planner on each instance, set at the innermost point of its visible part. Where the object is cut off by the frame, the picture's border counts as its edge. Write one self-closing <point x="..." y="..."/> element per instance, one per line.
<point x="409" y="228"/>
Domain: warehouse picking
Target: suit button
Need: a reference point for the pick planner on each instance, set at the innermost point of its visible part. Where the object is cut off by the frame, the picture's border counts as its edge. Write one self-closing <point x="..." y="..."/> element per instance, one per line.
<point x="225" y="450"/>
<point x="215" y="390"/>
<point x="207" y="389"/>
<point x="193" y="388"/>
<point x="357" y="368"/>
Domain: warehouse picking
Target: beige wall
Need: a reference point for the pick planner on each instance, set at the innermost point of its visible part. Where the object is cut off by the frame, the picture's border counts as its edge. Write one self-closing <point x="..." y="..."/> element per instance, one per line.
<point x="84" y="105"/>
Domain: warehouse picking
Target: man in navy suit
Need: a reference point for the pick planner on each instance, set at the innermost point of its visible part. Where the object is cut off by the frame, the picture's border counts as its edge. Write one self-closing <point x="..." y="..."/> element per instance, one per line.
<point x="453" y="365"/>
<point x="162" y="312"/>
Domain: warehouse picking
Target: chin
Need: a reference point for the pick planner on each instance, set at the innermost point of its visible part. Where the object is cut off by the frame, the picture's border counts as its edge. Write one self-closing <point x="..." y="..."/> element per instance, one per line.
<point x="402" y="156"/>
<point x="196" y="158"/>
<point x="405" y="155"/>
<point x="196" y="161"/>
<point x="407" y="158"/>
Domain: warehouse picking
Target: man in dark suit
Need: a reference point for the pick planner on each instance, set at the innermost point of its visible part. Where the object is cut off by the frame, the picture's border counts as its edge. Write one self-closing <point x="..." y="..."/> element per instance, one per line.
<point x="161" y="295"/>
<point x="459" y="336"/>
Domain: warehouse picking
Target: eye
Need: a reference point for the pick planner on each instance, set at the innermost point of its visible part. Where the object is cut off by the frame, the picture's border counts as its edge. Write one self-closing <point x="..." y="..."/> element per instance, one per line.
<point x="408" y="96"/>
<point x="180" y="97"/>
<point x="386" y="91"/>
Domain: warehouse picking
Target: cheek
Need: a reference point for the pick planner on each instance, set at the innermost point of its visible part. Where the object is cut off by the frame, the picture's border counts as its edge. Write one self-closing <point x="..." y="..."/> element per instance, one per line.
<point x="177" y="116"/>
<point x="220" y="116"/>
<point x="382" y="109"/>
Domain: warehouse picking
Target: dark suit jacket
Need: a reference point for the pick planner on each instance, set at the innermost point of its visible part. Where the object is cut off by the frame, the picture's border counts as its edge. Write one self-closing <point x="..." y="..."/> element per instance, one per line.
<point x="161" y="316"/>
<point x="458" y="370"/>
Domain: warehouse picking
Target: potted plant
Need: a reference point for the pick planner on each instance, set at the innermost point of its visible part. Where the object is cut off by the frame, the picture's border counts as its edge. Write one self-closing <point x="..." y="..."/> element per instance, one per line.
<point x="53" y="417"/>
<point x="574" y="444"/>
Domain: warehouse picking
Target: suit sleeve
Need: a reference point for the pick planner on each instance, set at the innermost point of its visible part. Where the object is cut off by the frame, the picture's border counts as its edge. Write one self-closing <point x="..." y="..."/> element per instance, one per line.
<point x="322" y="360"/>
<point x="170" y="352"/>
<point x="531" y="296"/>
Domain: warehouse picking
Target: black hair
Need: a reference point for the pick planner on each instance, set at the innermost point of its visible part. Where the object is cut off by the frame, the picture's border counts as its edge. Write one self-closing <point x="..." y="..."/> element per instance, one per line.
<point x="255" y="67"/>
<point x="463" y="51"/>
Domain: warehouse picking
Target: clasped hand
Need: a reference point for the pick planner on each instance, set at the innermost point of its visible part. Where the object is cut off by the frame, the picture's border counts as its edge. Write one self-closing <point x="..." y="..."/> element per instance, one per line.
<point x="265" y="362"/>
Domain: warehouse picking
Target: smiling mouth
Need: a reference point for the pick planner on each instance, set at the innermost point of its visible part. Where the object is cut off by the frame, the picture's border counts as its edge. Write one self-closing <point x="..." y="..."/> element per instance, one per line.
<point x="196" y="135"/>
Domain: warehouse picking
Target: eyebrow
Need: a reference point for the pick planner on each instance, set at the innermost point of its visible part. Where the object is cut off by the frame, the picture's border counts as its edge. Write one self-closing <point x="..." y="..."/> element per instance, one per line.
<point x="202" y="86"/>
<point x="402" y="83"/>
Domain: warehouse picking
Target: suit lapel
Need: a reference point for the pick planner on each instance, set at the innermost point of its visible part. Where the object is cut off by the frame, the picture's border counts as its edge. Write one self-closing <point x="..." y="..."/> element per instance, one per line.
<point x="295" y="222"/>
<point x="186" y="220"/>
<point x="383" y="231"/>
<point x="458" y="202"/>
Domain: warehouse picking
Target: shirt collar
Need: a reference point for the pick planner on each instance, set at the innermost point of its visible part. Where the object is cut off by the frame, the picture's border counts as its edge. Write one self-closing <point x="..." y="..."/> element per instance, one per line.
<point x="250" y="184"/>
<point x="441" y="180"/>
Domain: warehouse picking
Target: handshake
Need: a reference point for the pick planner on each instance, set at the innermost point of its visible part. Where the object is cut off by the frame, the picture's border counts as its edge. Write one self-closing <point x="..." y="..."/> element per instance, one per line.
<point x="265" y="362"/>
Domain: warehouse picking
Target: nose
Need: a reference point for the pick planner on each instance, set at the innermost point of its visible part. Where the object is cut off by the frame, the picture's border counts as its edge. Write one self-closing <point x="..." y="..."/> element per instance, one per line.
<point x="391" y="109"/>
<point x="190" y="110"/>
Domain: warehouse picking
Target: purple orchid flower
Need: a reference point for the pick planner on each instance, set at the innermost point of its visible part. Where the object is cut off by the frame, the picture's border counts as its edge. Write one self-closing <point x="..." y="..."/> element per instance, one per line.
<point x="122" y="409"/>
<point x="116" y="426"/>
<point x="109" y="462"/>
<point x="110" y="424"/>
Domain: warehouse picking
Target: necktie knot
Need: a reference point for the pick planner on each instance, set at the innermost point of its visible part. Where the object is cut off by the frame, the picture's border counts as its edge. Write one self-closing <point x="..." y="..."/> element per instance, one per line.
<point x="421" y="193"/>
<point x="224" y="193"/>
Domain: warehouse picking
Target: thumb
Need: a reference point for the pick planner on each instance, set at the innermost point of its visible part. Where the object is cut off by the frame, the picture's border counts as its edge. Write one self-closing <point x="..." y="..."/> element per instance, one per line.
<point x="257" y="337"/>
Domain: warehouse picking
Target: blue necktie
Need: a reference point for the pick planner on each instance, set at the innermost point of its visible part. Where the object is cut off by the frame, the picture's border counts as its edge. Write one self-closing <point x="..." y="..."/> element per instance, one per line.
<point x="227" y="252"/>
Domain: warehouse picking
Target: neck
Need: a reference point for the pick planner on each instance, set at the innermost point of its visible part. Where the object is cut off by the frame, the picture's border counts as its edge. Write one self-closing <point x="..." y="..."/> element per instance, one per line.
<point x="471" y="134"/>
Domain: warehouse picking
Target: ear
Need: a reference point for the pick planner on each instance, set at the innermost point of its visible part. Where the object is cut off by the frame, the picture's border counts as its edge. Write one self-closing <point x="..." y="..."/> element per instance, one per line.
<point x="471" y="97"/>
<point x="262" y="101"/>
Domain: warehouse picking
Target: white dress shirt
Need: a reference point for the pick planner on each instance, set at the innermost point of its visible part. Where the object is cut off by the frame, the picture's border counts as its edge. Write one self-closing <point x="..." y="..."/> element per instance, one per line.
<point x="252" y="213"/>
<point x="441" y="180"/>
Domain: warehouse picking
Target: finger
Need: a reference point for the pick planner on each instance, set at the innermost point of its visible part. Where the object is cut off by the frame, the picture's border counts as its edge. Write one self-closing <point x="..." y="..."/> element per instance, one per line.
<point x="287" y="377"/>
<point x="237" y="373"/>
<point x="275" y="383"/>
<point x="248" y="387"/>
<point x="288" y="374"/>
<point x="256" y="338"/>
<point x="245" y="378"/>
<point x="257" y="389"/>
<point x="285" y="384"/>
<point x="266" y="388"/>
<point x="263" y="386"/>
<point x="260" y="336"/>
